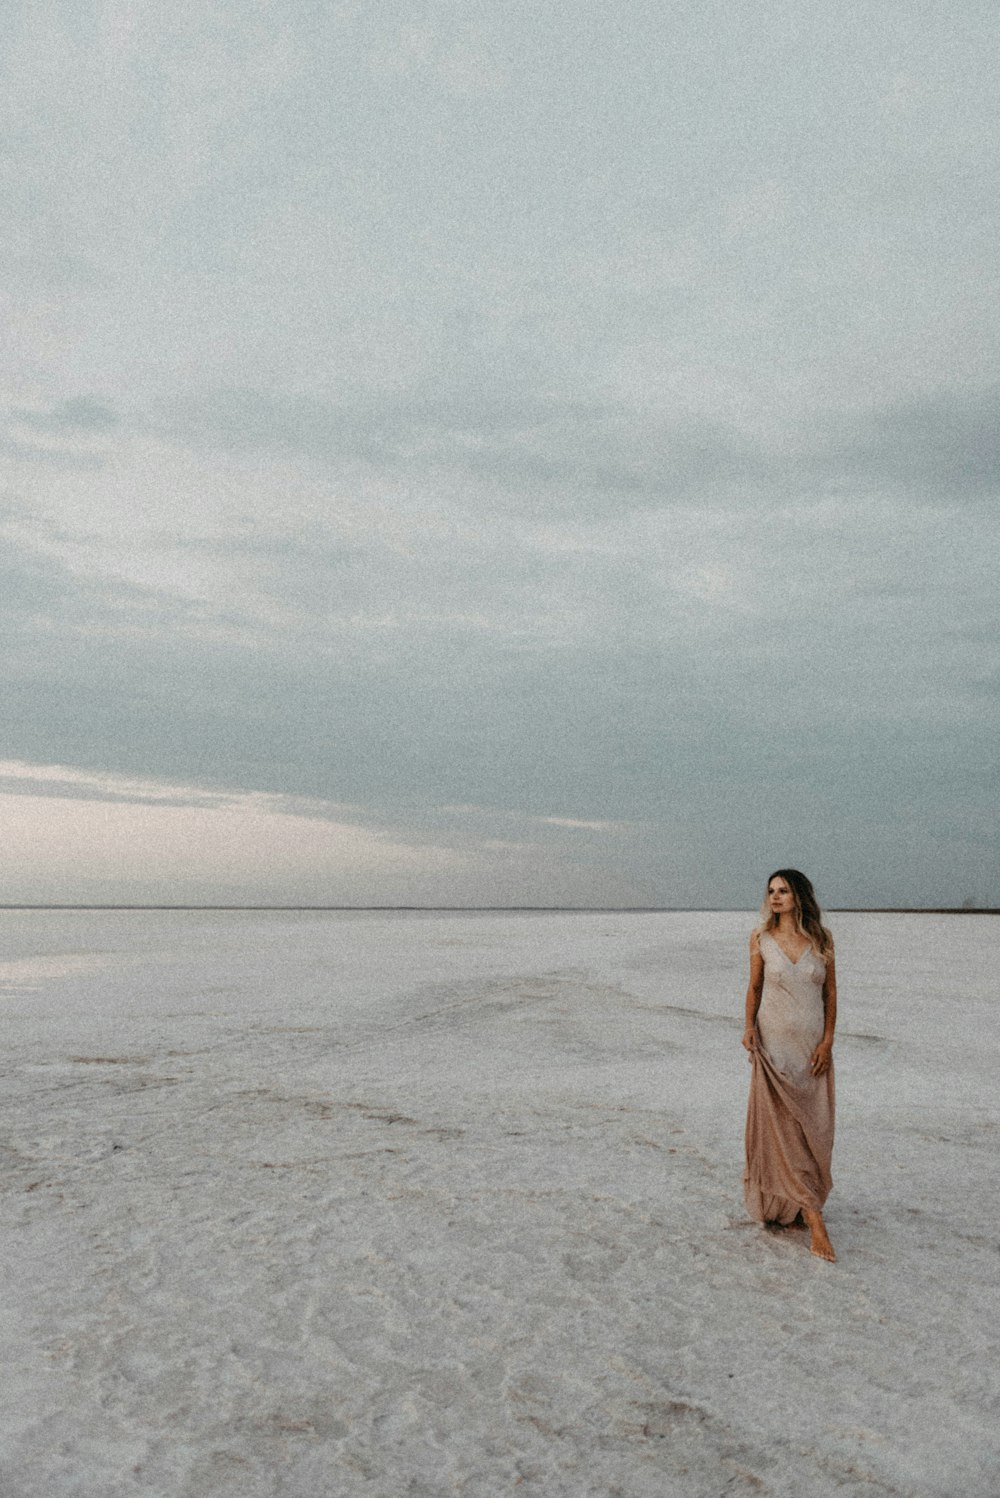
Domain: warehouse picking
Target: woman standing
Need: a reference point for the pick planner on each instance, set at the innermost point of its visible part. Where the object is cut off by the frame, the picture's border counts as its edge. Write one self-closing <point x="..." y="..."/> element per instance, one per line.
<point x="791" y="1013"/>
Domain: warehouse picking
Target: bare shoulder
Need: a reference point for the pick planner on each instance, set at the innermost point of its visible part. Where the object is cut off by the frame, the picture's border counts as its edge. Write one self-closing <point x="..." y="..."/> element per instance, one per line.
<point x="754" y="943"/>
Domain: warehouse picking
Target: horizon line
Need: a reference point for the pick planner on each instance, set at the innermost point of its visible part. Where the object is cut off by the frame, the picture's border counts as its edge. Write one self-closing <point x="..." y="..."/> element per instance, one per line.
<point x="512" y="909"/>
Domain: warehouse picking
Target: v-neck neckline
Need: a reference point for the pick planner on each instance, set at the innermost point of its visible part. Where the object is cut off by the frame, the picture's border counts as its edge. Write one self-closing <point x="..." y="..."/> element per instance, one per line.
<point x="792" y="961"/>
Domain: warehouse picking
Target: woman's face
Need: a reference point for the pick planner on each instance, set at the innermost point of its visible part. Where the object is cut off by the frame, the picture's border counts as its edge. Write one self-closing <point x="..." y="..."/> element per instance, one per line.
<point x="780" y="898"/>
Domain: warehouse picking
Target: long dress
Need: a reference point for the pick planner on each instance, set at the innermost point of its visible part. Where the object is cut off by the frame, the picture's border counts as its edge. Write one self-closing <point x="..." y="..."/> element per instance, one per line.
<point x="789" y="1135"/>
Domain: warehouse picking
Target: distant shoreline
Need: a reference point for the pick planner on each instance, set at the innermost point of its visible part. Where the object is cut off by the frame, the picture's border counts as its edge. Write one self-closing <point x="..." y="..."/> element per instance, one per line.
<point x="528" y="909"/>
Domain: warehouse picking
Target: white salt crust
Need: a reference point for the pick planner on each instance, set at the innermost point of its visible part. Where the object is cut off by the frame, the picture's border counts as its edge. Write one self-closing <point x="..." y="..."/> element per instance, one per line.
<point x="307" y="1205"/>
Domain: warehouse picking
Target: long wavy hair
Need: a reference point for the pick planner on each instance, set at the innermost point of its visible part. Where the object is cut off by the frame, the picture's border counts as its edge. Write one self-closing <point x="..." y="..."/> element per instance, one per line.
<point x="808" y="917"/>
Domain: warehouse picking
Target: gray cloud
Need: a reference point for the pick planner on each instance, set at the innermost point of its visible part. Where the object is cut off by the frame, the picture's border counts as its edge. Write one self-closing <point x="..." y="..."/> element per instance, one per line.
<point x="942" y="447"/>
<point x="670" y="735"/>
<point x="79" y="414"/>
<point x="936" y="450"/>
<point x="69" y="435"/>
<point x="523" y="442"/>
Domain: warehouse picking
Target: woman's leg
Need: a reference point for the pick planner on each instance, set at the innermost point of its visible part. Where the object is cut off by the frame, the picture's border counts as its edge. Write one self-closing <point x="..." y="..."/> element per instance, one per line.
<point x="820" y="1243"/>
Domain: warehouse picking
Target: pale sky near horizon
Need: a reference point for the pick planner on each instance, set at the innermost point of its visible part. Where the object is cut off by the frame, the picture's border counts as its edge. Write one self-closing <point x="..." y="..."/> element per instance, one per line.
<point x="499" y="454"/>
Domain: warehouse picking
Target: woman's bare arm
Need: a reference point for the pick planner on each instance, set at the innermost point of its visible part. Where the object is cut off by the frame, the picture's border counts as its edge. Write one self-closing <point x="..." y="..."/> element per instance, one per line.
<point x="754" y="990"/>
<point x="822" y="1056"/>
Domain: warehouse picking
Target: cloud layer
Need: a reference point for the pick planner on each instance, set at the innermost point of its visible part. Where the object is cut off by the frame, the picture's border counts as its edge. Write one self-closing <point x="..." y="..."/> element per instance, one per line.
<point x="563" y="452"/>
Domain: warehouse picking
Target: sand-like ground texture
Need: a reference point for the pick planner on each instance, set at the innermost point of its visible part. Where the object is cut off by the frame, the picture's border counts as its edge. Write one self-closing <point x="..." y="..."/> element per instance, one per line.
<point x="302" y="1205"/>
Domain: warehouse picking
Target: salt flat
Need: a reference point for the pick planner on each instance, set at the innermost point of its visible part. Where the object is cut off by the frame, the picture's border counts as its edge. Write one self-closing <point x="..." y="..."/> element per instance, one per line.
<point x="310" y="1205"/>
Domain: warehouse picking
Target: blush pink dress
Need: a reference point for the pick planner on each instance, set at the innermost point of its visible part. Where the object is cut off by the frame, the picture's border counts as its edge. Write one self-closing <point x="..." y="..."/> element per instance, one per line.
<point x="789" y="1135"/>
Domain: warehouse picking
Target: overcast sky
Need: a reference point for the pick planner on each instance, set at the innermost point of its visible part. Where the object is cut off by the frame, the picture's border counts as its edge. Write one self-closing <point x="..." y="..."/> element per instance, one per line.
<point x="493" y="453"/>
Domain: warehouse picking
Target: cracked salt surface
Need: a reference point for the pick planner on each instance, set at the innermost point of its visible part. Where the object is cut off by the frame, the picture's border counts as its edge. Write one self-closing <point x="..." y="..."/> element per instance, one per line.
<point x="302" y="1205"/>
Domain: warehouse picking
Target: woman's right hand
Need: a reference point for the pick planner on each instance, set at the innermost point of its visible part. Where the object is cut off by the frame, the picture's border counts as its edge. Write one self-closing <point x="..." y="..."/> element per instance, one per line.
<point x="750" y="1039"/>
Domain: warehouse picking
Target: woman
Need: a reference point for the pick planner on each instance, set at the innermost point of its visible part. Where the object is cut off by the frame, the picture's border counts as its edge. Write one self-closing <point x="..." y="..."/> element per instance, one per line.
<point x="791" y="1013"/>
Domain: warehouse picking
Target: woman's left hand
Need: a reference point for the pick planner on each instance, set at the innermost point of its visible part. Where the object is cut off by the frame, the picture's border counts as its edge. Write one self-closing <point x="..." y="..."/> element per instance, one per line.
<point x="822" y="1058"/>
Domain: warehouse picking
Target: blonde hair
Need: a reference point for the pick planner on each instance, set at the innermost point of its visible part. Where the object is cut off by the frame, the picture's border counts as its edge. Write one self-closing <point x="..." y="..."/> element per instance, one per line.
<point x="808" y="916"/>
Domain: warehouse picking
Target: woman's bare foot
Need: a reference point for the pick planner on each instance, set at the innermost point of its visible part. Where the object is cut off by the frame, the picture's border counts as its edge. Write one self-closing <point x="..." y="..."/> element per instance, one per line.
<point x="819" y="1243"/>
